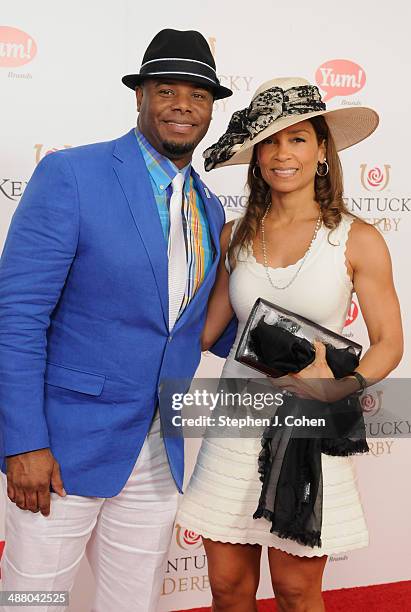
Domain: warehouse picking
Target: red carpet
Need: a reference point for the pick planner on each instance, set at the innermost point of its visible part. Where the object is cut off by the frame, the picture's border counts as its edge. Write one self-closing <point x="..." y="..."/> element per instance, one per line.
<point x="393" y="597"/>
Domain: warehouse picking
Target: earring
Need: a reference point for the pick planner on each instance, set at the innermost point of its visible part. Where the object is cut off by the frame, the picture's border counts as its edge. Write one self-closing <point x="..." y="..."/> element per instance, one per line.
<point x="325" y="172"/>
<point x="253" y="172"/>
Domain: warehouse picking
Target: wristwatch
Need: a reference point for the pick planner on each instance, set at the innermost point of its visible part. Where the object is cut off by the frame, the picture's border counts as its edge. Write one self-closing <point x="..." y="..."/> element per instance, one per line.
<point x="361" y="380"/>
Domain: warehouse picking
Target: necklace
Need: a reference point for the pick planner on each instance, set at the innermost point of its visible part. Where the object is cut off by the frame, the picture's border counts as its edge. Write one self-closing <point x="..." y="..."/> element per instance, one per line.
<point x="266" y="268"/>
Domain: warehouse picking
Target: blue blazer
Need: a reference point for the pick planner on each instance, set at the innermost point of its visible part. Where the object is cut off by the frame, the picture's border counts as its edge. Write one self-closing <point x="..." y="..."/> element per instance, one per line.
<point x="84" y="341"/>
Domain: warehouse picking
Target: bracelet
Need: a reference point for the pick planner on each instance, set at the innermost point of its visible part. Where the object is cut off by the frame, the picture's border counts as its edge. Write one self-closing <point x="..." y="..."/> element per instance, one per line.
<point x="361" y="380"/>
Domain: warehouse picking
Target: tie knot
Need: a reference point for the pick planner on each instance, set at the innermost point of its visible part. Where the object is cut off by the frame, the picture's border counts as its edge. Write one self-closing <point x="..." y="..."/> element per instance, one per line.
<point x="177" y="183"/>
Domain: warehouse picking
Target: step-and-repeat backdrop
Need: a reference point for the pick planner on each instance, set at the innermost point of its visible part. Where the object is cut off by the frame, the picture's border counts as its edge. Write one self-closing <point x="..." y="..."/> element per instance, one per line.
<point x="60" y="69"/>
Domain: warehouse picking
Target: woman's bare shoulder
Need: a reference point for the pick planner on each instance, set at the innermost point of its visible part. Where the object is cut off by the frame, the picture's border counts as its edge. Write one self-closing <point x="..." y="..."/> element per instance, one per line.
<point x="366" y="242"/>
<point x="363" y="233"/>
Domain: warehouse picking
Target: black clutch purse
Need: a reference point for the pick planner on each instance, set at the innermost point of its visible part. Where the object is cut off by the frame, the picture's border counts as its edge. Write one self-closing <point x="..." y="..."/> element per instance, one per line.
<point x="277" y="342"/>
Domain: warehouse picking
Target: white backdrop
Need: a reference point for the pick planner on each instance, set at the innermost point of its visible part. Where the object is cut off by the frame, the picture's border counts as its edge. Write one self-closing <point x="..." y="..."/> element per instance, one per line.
<point x="60" y="69"/>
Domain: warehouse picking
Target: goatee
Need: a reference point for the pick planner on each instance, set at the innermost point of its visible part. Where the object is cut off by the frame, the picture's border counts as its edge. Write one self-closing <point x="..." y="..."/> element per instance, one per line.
<point x="176" y="148"/>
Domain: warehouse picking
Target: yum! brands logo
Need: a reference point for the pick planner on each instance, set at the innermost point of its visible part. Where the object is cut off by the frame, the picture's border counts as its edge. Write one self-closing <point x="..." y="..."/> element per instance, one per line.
<point x="376" y="178"/>
<point x="2" y="543"/>
<point x="16" y="47"/>
<point x="340" y="77"/>
<point x="352" y="314"/>
<point x="187" y="539"/>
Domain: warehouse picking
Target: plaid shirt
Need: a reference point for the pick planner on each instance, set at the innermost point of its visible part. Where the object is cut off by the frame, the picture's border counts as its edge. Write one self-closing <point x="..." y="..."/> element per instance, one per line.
<point x="198" y="243"/>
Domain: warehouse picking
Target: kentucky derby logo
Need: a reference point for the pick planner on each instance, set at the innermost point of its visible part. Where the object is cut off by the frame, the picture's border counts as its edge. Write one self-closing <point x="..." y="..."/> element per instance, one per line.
<point x="186" y="539"/>
<point x="12" y="189"/>
<point x="212" y="42"/>
<point x="339" y="77"/>
<point x="16" y="47"/>
<point x="371" y="403"/>
<point x="43" y="150"/>
<point x="375" y="179"/>
<point x="352" y="314"/>
<point x="236" y="82"/>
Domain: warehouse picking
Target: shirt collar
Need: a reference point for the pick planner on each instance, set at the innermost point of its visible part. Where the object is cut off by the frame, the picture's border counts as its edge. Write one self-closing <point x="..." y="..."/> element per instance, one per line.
<point x="162" y="170"/>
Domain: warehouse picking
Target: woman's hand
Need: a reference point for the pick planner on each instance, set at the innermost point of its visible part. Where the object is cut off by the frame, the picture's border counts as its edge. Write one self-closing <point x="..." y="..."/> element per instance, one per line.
<point x="315" y="382"/>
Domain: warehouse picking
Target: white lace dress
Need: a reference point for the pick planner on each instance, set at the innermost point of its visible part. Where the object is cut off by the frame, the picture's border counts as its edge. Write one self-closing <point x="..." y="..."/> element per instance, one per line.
<point x="224" y="489"/>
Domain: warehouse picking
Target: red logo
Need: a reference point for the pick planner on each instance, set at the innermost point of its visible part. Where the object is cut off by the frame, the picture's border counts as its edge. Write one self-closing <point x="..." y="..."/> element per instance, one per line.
<point x="1" y="551"/>
<point x="375" y="179"/>
<point x="340" y="77"/>
<point x="187" y="539"/>
<point x="16" y="47"/>
<point x="352" y="314"/>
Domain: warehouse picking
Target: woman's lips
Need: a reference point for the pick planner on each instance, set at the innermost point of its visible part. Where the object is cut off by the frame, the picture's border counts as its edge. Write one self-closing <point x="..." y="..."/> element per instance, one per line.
<point x="285" y="173"/>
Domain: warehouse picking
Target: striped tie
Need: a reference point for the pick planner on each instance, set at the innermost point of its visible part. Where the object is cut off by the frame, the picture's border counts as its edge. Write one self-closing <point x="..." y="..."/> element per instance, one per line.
<point x="177" y="259"/>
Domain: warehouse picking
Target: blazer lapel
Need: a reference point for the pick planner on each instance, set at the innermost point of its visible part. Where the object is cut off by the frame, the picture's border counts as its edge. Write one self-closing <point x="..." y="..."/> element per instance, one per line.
<point x="208" y="201"/>
<point x="134" y="179"/>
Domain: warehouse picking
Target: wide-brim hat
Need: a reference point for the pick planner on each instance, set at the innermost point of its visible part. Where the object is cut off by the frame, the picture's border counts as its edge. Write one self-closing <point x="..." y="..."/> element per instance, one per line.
<point x="278" y="104"/>
<point x="185" y="56"/>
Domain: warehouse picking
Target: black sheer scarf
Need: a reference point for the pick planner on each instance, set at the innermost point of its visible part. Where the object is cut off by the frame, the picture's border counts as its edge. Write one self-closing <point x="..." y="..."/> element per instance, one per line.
<point x="290" y="465"/>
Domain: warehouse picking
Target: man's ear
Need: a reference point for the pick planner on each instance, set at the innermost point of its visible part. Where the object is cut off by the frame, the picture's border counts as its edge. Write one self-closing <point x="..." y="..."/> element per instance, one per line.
<point x="139" y="96"/>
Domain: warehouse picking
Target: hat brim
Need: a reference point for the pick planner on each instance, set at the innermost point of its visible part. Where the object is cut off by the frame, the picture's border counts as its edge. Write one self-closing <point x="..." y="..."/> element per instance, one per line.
<point x="348" y="126"/>
<point x="219" y="92"/>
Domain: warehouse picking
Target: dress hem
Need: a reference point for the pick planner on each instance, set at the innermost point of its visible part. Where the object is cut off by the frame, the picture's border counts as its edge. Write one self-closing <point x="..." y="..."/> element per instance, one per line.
<point x="254" y="542"/>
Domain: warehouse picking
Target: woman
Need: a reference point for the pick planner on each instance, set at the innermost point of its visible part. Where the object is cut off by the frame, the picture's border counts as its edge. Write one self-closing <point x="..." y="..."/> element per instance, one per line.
<point x="299" y="247"/>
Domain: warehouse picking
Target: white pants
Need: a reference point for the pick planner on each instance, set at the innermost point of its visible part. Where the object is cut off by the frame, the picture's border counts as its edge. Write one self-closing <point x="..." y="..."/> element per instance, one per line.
<point x="126" y="539"/>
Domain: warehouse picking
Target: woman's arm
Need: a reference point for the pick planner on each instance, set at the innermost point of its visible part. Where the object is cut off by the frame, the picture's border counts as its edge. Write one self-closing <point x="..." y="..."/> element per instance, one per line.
<point x="370" y="261"/>
<point x="369" y="265"/>
<point x="219" y="311"/>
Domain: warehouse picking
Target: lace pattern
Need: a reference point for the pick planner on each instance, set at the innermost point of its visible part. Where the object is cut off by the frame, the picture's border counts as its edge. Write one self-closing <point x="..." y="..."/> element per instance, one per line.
<point x="265" y="108"/>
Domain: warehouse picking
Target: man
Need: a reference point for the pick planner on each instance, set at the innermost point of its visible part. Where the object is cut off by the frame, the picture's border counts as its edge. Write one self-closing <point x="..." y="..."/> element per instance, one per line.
<point x="104" y="281"/>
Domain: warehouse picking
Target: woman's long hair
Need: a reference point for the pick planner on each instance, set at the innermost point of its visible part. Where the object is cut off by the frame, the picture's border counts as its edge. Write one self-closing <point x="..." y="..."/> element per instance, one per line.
<point x="328" y="193"/>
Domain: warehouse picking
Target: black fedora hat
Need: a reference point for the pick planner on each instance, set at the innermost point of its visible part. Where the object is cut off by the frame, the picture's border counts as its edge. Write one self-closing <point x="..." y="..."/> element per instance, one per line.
<point x="184" y="56"/>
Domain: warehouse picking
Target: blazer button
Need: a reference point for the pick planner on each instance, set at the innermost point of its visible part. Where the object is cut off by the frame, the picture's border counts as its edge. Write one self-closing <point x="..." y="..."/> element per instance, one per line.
<point x="170" y="338"/>
<point x="160" y="387"/>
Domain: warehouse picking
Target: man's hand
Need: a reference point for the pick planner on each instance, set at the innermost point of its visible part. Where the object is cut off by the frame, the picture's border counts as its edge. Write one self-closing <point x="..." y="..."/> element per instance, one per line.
<point x="29" y="477"/>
